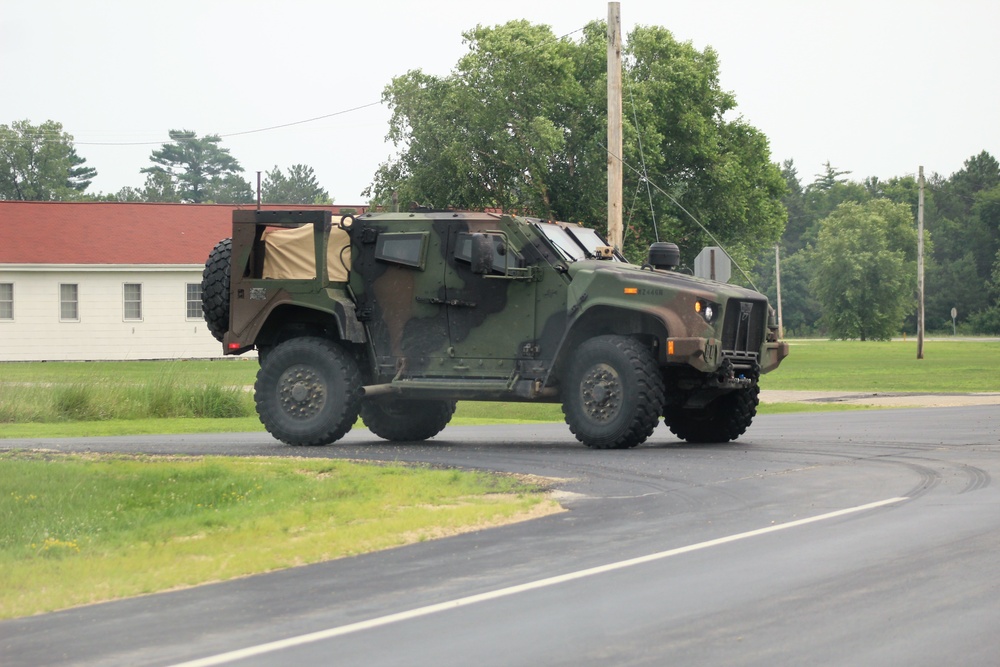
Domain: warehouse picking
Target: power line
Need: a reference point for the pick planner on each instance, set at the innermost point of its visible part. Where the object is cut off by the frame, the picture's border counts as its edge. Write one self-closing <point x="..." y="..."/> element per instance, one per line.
<point x="233" y="134"/>
<point x="45" y="136"/>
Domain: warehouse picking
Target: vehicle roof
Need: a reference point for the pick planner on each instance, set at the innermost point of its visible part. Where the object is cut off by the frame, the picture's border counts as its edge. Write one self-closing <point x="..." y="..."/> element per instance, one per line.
<point x="445" y="215"/>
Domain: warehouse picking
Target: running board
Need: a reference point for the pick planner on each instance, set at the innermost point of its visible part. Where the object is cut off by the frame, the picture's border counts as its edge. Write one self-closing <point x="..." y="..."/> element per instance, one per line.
<point x="470" y="390"/>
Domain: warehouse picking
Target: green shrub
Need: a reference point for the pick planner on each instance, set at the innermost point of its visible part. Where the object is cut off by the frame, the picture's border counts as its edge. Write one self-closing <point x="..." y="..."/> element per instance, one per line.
<point x="105" y="400"/>
<point x="76" y="403"/>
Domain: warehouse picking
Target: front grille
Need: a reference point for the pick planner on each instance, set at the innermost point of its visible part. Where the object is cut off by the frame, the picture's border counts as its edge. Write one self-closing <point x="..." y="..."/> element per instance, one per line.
<point x="743" y="329"/>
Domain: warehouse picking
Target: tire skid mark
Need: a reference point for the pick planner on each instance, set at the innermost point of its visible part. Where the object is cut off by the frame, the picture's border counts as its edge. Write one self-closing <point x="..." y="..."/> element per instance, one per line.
<point x="976" y="478"/>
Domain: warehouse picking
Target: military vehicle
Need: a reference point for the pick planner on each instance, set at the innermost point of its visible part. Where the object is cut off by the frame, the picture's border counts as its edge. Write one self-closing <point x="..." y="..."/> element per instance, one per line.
<point x="396" y="316"/>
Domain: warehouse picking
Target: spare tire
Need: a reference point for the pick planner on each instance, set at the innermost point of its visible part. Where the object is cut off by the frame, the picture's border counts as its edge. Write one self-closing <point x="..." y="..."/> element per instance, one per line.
<point x="215" y="288"/>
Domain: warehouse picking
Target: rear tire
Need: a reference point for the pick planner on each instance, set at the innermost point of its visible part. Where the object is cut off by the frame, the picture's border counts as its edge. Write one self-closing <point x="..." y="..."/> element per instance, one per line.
<point x="406" y="420"/>
<point x="724" y="419"/>
<point x="215" y="288"/>
<point x="613" y="393"/>
<point x="308" y="391"/>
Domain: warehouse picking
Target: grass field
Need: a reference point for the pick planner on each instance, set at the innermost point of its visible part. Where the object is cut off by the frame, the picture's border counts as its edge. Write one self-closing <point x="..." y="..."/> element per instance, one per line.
<point x="78" y="529"/>
<point x="947" y="366"/>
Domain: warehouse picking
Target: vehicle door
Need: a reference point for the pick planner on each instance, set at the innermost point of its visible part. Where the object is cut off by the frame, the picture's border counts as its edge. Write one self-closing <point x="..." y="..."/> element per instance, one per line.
<point x="492" y="314"/>
<point x="399" y="276"/>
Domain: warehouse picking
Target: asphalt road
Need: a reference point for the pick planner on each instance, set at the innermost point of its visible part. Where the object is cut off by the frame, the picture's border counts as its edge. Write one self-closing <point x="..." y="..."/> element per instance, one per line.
<point x="857" y="538"/>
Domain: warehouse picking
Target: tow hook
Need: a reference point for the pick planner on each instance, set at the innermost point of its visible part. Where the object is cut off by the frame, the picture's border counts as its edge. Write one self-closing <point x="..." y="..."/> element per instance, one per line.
<point x="725" y="372"/>
<point x="727" y="377"/>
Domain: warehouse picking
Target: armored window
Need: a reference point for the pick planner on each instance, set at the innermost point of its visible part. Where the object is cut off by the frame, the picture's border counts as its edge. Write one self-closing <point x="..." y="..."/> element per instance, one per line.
<point x="407" y="248"/>
<point x="194" y="301"/>
<point x="6" y="301"/>
<point x="501" y="261"/>
<point x="133" y="301"/>
<point x="69" y="302"/>
<point x="565" y="244"/>
<point x="589" y="239"/>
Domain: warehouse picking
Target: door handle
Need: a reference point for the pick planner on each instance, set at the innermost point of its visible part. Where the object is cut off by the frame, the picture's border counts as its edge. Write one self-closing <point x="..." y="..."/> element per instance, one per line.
<point x="445" y="302"/>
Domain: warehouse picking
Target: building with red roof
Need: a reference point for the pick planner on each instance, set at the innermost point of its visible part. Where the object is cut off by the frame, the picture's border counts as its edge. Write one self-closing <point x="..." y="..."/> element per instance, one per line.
<point x="107" y="281"/>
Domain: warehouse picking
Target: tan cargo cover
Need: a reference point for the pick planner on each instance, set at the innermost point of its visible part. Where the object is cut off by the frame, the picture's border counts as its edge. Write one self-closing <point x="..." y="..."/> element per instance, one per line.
<point x="291" y="254"/>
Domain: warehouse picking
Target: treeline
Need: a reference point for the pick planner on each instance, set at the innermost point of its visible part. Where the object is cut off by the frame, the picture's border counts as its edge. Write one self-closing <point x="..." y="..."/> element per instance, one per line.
<point x="40" y="163"/>
<point x="848" y="253"/>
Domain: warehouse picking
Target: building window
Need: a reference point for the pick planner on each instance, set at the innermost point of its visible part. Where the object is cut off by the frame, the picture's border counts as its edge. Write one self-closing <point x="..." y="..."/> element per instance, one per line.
<point x="6" y="301"/>
<point x="194" y="301"/>
<point x="133" y="301"/>
<point x="69" y="302"/>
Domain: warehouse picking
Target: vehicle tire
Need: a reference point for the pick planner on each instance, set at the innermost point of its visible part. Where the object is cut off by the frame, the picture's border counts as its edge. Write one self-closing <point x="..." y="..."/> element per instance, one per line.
<point x="724" y="419"/>
<point x="215" y="288"/>
<point x="406" y="420"/>
<point x="308" y="391"/>
<point x="613" y="393"/>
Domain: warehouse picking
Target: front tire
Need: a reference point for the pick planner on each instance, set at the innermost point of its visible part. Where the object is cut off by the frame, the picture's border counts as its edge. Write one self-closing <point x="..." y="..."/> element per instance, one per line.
<point x="308" y="391"/>
<point x="613" y="393"/>
<point x="406" y="420"/>
<point x="724" y="419"/>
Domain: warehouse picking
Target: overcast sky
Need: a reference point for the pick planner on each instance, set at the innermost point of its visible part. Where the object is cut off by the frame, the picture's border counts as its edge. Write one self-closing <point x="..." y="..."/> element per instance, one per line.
<point x="877" y="87"/>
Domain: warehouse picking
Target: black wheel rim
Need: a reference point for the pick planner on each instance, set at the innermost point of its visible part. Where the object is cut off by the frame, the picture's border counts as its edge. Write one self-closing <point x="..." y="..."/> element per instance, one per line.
<point x="301" y="392"/>
<point x="601" y="393"/>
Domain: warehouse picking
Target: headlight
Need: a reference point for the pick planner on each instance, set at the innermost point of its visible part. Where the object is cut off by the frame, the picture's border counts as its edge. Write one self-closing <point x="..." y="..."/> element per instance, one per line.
<point x="706" y="309"/>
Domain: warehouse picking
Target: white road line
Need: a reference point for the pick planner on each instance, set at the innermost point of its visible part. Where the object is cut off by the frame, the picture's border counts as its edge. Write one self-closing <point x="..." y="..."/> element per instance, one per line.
<point x="261" y="649"/>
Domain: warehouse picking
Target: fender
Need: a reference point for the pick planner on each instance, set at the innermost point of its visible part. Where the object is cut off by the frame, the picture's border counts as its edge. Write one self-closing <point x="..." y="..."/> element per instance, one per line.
<point x="336" y="306"/>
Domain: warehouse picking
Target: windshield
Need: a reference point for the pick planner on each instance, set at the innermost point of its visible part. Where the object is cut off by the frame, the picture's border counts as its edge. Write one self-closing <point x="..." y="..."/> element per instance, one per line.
<point x="563" y="242"/>
<point x="589" y="239"/>
<point x="573" y="243"/>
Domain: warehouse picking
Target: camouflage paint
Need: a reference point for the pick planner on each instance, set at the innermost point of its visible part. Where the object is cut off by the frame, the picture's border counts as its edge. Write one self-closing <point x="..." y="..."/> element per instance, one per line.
<point x="432" y="317"/>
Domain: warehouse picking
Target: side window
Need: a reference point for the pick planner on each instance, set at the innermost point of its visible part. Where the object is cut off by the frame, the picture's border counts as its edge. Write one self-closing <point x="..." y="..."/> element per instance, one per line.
<point x="501" y="261"/>
<point x="69" y="302"/>
<point x="406" y="248"/>
<point x="6" y="301"/>
<point x="133" y="301"/>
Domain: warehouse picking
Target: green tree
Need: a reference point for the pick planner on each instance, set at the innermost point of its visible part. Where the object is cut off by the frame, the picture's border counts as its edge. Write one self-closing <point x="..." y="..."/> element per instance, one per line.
<point x="957" y="195"/>
<point x="40" y="163"/>
<point x="194" y="170"/>
<point x="520" y="125"/>
<point x="485" y="136"/>
<point x="865" y="269"/>
<point x="800" y="219"/>
<point x="964" y="217"/>
<point x="298" y="187"/>
<point x="800" y="311"/>
<point x="716" y="169"/>
<point x="988" y="319"/>
<point x="954" y="284"/>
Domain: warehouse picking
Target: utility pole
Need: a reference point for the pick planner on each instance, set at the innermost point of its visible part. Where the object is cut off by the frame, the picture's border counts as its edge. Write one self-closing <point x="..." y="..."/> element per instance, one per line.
<point x="777" y="282"/>
<point x="615" y="168"/>
<point x="920" y="267"/>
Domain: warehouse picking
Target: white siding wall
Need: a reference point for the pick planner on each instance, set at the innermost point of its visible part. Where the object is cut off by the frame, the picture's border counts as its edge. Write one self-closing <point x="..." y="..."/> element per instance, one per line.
<point x="165" y="332"/>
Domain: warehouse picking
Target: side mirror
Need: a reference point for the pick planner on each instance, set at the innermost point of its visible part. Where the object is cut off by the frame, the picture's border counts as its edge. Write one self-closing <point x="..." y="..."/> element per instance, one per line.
<point x="482" y="254"/>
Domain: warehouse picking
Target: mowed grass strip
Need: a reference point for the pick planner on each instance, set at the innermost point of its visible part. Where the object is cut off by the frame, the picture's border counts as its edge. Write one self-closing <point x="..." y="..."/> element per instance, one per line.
<point x="78" y="529"/>
<point x="947" y="367"/>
